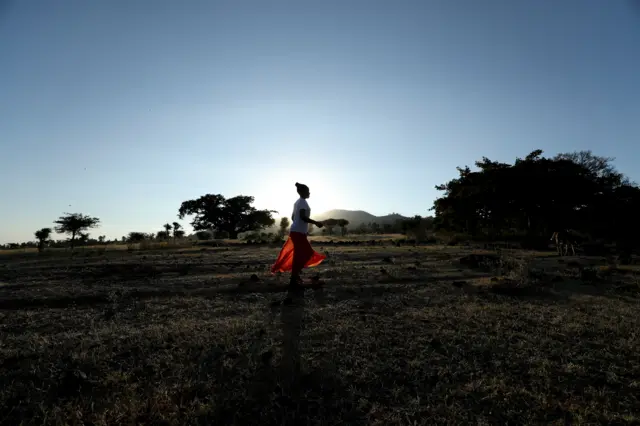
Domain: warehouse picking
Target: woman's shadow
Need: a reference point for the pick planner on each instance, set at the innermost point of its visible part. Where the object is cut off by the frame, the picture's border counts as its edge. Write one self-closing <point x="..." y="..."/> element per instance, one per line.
<point x="291" y="318"/>
<point x="310" y="391"/>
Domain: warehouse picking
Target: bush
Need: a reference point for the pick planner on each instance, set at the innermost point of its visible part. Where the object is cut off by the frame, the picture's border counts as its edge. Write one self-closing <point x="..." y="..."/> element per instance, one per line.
<point x="458" y="239"/>
<point x="203" y="235"/>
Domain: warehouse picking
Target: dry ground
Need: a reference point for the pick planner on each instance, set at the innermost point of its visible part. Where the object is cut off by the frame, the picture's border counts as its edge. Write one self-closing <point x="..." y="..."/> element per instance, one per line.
<point x="397" y="335"/>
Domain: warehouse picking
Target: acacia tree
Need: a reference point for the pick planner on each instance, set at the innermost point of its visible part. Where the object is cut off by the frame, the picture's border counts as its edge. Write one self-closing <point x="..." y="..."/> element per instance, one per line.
<point x="74" y="223"/>
<point x="284" y="225"/>
<point x="136" y="237"/>
<point x="232" y="215"/>
<point x="167" y="229"/>
<point x="329" y="224"/>
<point x="343" y="223"/>
<point x="42" y="235"/>
<point x="177" y="233"/>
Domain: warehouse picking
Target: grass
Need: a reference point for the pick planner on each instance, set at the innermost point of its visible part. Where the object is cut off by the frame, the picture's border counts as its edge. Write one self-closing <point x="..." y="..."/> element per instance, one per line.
<point x="397" y="336"/>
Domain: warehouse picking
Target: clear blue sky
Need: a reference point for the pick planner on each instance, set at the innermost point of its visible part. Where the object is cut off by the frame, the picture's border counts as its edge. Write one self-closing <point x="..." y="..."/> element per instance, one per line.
<point x="123" y="109"/>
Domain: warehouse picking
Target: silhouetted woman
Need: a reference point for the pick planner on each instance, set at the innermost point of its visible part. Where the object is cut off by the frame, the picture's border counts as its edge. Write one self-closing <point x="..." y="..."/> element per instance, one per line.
<point x="297" y="252"/>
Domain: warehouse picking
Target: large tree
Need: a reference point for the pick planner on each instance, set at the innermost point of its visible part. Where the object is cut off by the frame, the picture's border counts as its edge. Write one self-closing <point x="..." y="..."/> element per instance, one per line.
<point x="537" y="196"/>
<point x="75" y="223"/>
<point x="232" y="215"/>
<point x="42" y="235"/>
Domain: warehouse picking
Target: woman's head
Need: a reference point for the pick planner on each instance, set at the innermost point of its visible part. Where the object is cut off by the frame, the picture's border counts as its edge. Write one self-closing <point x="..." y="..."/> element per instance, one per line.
<point x="303" y="190"/>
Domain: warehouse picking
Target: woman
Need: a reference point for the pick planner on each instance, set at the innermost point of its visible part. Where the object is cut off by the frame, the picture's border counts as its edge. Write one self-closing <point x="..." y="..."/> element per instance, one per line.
<point x="297" y="253"/>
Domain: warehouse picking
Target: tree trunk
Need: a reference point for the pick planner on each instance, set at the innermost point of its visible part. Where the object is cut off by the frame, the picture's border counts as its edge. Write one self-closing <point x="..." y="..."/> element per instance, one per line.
<point x="233" y="235"/>
<point x="40" y="246"/>
<point x="73" y="238"/>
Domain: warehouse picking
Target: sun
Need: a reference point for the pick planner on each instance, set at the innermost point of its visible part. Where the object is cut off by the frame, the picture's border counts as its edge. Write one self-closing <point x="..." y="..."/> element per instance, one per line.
<point x="278" y="192"/>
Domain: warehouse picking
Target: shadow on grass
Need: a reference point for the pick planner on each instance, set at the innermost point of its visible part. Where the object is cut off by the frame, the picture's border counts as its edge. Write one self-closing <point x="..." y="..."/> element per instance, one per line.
<point x="288" y="393"/>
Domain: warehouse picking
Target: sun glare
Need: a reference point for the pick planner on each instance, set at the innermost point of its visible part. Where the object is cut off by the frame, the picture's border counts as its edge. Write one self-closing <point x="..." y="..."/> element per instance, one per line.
<point x="278" y="192"/>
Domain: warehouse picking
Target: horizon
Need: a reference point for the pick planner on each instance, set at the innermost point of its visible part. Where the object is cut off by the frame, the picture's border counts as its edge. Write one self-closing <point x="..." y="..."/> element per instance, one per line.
<point x="94" y="233"/>
<point x="119" y="112"/>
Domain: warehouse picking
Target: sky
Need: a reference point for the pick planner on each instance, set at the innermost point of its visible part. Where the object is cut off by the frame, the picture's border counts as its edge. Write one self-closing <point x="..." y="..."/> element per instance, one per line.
<point x="123" y="109"/>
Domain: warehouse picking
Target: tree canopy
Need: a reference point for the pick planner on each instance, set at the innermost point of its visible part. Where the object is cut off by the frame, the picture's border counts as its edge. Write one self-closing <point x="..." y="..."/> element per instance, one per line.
<point x="42" y="235"/>
<point x="74" y="223"/>
<point x="538" y="196"/>
<point x="343" y="223"/>
<point x="232" y="215"/>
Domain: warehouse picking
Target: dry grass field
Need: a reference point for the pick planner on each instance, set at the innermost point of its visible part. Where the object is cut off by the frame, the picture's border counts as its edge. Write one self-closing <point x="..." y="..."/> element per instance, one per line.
<point x="395" y="336"/>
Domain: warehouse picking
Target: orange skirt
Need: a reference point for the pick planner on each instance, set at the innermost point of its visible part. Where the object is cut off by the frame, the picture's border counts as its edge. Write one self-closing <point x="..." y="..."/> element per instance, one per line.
<point x="297" y="254"/>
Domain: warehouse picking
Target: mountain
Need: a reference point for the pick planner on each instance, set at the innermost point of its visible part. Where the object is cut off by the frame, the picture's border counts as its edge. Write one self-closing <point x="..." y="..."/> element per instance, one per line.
<point x="357" y="217"/>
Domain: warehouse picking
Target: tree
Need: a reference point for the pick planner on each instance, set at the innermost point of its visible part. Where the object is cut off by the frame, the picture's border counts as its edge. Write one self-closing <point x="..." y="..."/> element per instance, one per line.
<point x="329" y="224"/>
<point x="83" y="237"/>
<point x="176" y="231"/>
<point x="136" y="237"/>
<point x="537" y="196"/>
<point x="75" y="223"/>
<point x="162" y="235"/>
<point x="42" y="235"/>
<point x="101" y="239"/>
<point x="375" y="228"/>
<point x="417" y="227"/>
<point x="343" y="223"/>
<point x="284" y="225"/>
<point x="168" y="228"/>
<point x="233" y="215"/>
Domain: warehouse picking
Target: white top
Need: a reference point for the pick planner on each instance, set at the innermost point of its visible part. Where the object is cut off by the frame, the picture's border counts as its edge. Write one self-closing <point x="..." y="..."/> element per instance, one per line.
<point x="297" y="225"/>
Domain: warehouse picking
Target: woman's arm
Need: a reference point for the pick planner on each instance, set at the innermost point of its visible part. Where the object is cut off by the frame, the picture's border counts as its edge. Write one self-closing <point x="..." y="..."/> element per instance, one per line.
<point x="305" y="218"/>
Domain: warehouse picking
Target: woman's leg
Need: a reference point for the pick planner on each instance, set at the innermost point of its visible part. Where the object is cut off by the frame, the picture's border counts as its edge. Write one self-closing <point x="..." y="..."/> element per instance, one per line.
<point x="302" y="252"/>
<point x="298" y="255"/>
<point x="297" y="265"/>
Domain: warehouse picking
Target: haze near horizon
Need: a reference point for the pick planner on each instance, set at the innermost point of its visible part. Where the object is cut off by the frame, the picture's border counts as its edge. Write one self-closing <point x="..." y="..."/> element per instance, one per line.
<point x="123" y="110"/>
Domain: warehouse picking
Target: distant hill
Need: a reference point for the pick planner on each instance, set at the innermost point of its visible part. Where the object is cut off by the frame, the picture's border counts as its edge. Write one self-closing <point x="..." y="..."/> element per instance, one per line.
<point x="355" y="218"/>
<point x="358" y="217"/>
